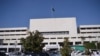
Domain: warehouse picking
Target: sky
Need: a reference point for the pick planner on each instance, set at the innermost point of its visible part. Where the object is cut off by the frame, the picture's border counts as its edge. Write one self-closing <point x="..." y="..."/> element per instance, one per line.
<point x="17" y="13"/>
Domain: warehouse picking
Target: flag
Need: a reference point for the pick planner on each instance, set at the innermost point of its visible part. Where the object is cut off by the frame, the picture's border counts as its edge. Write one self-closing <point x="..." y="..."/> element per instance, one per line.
<point x="53" y="9"/>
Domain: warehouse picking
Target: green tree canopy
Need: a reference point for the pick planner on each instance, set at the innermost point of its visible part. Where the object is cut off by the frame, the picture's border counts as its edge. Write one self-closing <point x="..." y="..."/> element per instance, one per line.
<point x="98" y="45"/>
<point x="90" y="45"/>
<point x="65" y="48"/>
<point x="33" y="42"/>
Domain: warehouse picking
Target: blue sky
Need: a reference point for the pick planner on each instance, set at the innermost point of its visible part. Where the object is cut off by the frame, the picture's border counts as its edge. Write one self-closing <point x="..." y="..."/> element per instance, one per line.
<point x="16" y="13"/>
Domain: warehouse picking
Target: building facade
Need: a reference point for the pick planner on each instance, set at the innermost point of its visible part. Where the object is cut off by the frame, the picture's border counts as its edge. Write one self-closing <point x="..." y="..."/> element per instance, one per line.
<point x="10" y="38"/>
<point x="54" y="31"/>
<point x="90" y="32"/>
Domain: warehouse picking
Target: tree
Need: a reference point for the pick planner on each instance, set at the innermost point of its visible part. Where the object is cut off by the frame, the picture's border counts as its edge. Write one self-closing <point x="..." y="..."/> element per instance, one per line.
<point x="33" y="42"/>
<point x="90" y="45"/>
<point x="65" y="50"/>
<point x="98" y="45"/>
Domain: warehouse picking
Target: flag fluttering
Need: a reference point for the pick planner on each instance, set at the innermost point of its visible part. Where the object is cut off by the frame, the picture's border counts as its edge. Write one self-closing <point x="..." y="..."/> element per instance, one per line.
<point x="53" y="9"/>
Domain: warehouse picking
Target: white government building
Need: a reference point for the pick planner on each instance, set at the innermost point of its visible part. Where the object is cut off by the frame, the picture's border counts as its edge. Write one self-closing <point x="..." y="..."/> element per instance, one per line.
<point x="54" y="31"/>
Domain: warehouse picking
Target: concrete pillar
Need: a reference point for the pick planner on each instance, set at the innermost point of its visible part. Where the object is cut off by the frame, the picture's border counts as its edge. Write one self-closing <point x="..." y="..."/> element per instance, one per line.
<point x="48" y="43"/>
<point x="57" y="43"/>
<point x="82" y="42"/>
<point x="20" y="49"/>
<point x="7" y="49"/>
<point x="8" y="46"/>
<point x="74" y="43"/>
<point x="58" y="47"/>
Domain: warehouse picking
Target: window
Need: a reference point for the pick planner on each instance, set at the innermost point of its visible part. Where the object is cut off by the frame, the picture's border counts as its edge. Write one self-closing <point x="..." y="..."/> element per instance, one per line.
<point x="1" y="39"/>
<point x="98" y="36"/>
<point x="88" y="28"/>
<point x="73" y="37"/>
<point x="53" y="38"/>
<point x="60" y="43"/>
<point x="12" y="43"/>
<point x="89" y="32"/>
<point x="83" y="32"/>
<point x="66" y="37"/>
<point x="23" y="30"/>
<point x="45" y="43"/>
<point x="13" y="39"/>
<point x="77" y="43"/>
<point x="1" y="35"/>
<point x="7" y="39"/>
<point x="1" y="31"/>
<point x="46" y="38"/>
<point x="20" y="30"/>
<point x="6" y="30"/>
<point x="5" y="43"/>
<point x="19" y="39"/>
<point x="95" y="28"/>
<point x="95" y="32"/>
<point x="55" y="33"/>
<point x="83" y="28"/>
<point x="19" y="44"/>
<point x="52" y="42"/>
<point x="59" y="38"/>
<point x="12" y="30"/>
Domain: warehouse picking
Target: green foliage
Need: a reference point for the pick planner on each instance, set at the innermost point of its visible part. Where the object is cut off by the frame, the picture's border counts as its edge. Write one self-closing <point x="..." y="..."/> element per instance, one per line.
<point x="90" y="45"/>
<point x="33" y="42"/>
<point x="87" y="52"/>
<point x="65" y="50"/>
<point x="98" y="45"/>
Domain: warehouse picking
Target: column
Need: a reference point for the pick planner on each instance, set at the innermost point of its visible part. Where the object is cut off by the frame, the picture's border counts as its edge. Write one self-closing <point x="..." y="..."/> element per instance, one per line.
<point x="74" y="43"/>
<point x="7" y="49"/>
<point x="8" y="46"/>
<point x="20" y="49"/>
